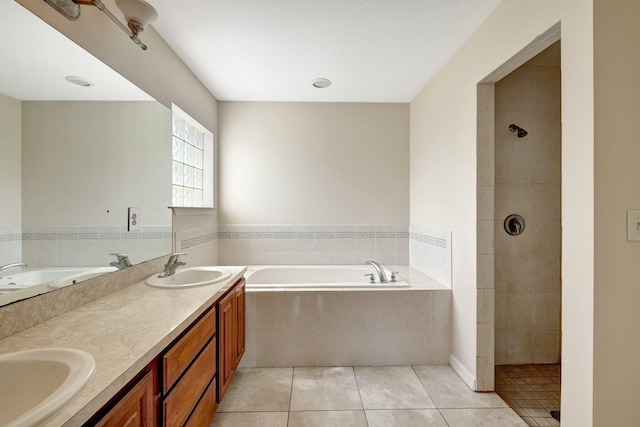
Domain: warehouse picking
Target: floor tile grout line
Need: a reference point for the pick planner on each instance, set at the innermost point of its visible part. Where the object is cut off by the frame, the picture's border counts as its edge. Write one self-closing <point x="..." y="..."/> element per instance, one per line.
<point x="429" y="394"/>
<point x="293" y="377"/>
<point x="366" y="419"/>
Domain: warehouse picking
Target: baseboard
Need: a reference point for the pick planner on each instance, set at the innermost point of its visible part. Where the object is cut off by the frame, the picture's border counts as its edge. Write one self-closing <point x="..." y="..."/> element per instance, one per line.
<point x="463" y="372"/>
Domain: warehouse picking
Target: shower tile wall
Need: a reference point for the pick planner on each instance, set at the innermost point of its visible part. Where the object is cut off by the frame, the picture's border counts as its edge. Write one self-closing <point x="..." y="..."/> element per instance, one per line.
<point x="527" y="182"/>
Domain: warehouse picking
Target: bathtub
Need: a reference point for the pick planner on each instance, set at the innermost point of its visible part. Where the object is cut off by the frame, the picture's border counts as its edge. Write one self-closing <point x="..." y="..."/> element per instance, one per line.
<point x="16" y="279"/>
<point x="316" y="277"/>
<point x="330" y="315"/>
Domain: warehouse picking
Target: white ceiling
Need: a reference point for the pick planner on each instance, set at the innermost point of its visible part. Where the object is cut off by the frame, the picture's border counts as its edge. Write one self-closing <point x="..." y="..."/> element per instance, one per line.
<point x="36" y="59"/>
<point x="271" y="50"/>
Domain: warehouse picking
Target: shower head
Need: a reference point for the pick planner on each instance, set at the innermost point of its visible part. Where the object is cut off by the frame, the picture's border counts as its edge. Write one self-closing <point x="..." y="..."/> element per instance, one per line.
<point x="521" y="132"/>
<point x="66" y="7"/>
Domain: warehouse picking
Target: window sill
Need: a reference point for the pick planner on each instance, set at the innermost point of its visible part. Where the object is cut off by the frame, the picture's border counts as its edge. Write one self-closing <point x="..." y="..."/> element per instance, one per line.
<point x="191" y="211"/>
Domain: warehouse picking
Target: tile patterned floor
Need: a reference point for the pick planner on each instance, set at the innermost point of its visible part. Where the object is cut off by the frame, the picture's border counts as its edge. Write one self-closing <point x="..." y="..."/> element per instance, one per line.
<point x="389" y="396"/>
<point x="531" y="391"/>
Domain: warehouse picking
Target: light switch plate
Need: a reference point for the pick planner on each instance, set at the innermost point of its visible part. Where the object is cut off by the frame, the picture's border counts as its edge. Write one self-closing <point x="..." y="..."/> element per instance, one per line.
<point x="633" y="225"/>
<point x="134" y="219"/>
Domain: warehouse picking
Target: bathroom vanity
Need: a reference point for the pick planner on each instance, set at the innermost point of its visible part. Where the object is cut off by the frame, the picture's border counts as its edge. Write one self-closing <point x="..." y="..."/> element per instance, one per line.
<point x="163" y="356"/>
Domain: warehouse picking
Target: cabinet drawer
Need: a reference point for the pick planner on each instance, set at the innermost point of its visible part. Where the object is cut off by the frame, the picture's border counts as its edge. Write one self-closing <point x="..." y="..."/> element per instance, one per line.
<point x="176" y="360"/>
<point x="135" y="408"/>
<point x="203" y="414"/>
<point x="185" y="395"/>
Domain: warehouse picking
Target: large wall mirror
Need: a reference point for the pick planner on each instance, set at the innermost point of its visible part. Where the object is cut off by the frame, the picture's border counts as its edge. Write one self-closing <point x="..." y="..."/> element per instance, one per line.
<point x="77" y="162"/>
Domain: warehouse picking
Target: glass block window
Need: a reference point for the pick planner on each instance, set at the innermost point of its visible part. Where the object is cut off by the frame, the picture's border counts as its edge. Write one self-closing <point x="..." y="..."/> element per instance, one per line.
<point x="192" y="162"/>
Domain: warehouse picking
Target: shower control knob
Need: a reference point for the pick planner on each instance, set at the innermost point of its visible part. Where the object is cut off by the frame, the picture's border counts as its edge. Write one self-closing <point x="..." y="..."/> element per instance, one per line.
<point x="514" y="225"/>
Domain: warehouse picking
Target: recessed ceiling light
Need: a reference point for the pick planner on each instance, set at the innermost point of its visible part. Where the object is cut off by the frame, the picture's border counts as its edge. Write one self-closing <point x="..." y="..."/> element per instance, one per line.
<point x="80" y="81"/>
<point x="321" y="83"/>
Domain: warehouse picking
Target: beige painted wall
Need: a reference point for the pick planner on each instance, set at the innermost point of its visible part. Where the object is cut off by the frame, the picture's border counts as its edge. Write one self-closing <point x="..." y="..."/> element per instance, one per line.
<point x="10" y="162"/>
<point x="577" y="214"/>
<point x="617" y="270"/>
<point x="443" y="148"/>
<point x="314" y="163"/>
<point x="82" y="159"/>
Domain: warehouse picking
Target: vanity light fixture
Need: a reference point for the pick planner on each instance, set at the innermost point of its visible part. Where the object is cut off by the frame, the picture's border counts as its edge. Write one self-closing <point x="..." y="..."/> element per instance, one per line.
<point x="138" y="14"/>
<point x="80" y="81"/>
<point x="321" y="83"/>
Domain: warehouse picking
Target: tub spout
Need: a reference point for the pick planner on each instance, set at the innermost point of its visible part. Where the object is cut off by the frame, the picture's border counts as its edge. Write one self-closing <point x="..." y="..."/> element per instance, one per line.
<point x="12" y="265"/>
<point x="382" y="274"/>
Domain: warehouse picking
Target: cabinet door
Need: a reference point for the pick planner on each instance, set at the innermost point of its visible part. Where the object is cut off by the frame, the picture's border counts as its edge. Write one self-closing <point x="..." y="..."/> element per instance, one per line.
<point x="240" y="318"/>
<point x="227" y="340"/>
<point x="135" y="409"/>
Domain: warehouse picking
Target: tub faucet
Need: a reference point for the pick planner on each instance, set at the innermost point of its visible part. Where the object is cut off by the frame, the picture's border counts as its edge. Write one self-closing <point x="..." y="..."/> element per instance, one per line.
<point x="122" y="263"/>
<point x="12" y="265"/>
<point x="382" y="274"/>
<point x="172" y="264"/>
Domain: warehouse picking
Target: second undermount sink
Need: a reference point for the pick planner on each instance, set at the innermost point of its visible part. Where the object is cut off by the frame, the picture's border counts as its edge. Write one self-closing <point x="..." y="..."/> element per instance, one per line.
<point x="190" y="277"/>
<point x="34" y="384"/>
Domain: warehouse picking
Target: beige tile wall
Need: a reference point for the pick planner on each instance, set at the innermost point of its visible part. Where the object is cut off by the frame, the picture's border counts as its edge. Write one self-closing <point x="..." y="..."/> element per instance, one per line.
<point x="527" y="182"/>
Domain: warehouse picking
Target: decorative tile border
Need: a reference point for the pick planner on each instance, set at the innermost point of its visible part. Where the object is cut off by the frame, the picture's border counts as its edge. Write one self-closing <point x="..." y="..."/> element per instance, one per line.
<point x="435" y="241"/>
<point x="72" y="246"/>
<point x="195" y="241"/>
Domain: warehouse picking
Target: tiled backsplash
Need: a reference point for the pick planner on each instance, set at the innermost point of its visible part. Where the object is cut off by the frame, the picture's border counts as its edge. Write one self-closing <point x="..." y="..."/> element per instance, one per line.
<point x="10" y="245"/>
<point x="427" y="249"/>
<point x="313" y="244"/>
<point x="82" y="246"/>
<point x="430" y="252"/>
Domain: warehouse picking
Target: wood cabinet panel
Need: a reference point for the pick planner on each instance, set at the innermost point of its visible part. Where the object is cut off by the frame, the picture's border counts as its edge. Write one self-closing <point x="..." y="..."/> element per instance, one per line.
<point x="135" y="409"/>
<point x="206" y="409"/>
<point x="227" y="341"/>
<point x="231" y="335"/>
<point x="241" y="316"/>
<point x="182" y="399"/>
<point x="178" y="358"/>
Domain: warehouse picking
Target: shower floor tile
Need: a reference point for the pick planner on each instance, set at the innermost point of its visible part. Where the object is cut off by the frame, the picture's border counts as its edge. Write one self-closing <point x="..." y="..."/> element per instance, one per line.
<point x="531" y="391"/>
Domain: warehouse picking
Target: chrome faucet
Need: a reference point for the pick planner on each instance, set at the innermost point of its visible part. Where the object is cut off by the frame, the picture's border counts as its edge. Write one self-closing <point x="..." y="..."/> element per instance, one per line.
<point x="172" y="264"/>
<point x="382" y="274"/>
<point x="122" y="263"/>
<point x="12" y="265"/>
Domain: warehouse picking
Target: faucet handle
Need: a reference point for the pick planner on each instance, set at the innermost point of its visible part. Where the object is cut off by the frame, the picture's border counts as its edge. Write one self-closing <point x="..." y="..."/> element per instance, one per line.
<point x="371" y="278"/>
<point x="120" y="256"/>
<point x="174" y="257"/>
<point x="393" y="277"/>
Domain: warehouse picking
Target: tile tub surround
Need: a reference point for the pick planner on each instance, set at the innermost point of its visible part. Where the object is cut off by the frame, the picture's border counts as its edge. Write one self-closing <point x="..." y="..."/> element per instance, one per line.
<point x="348" y="327"/>
<point x="123" y="331"/>
<point x="10" y="244"/>
<point x="313" y="244"/>
<point x="425" y="248"/>
<point x="403" y="396"/>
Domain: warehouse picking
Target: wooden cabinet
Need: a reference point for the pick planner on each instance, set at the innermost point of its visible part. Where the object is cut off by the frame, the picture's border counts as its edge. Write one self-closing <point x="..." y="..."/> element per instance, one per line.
<point x="231" y="335"/>
<point x="182" y="386"/>
<point x="189" y="368"/>
<point x="136" y="408"/>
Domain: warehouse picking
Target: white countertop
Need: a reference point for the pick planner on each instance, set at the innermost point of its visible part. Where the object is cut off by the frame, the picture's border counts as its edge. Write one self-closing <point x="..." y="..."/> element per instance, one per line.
<point x="124" y="331"/>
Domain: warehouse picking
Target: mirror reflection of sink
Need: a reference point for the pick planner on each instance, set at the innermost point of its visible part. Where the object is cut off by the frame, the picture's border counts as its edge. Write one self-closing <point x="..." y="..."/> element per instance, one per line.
<point x="37" y="383"/>
<point x="190" y="277"/>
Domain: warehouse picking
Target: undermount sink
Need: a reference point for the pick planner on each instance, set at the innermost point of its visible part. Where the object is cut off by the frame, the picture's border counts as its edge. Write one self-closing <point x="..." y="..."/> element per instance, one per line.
<point x="34" y="384"/>
<point x="190" y="277"/>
